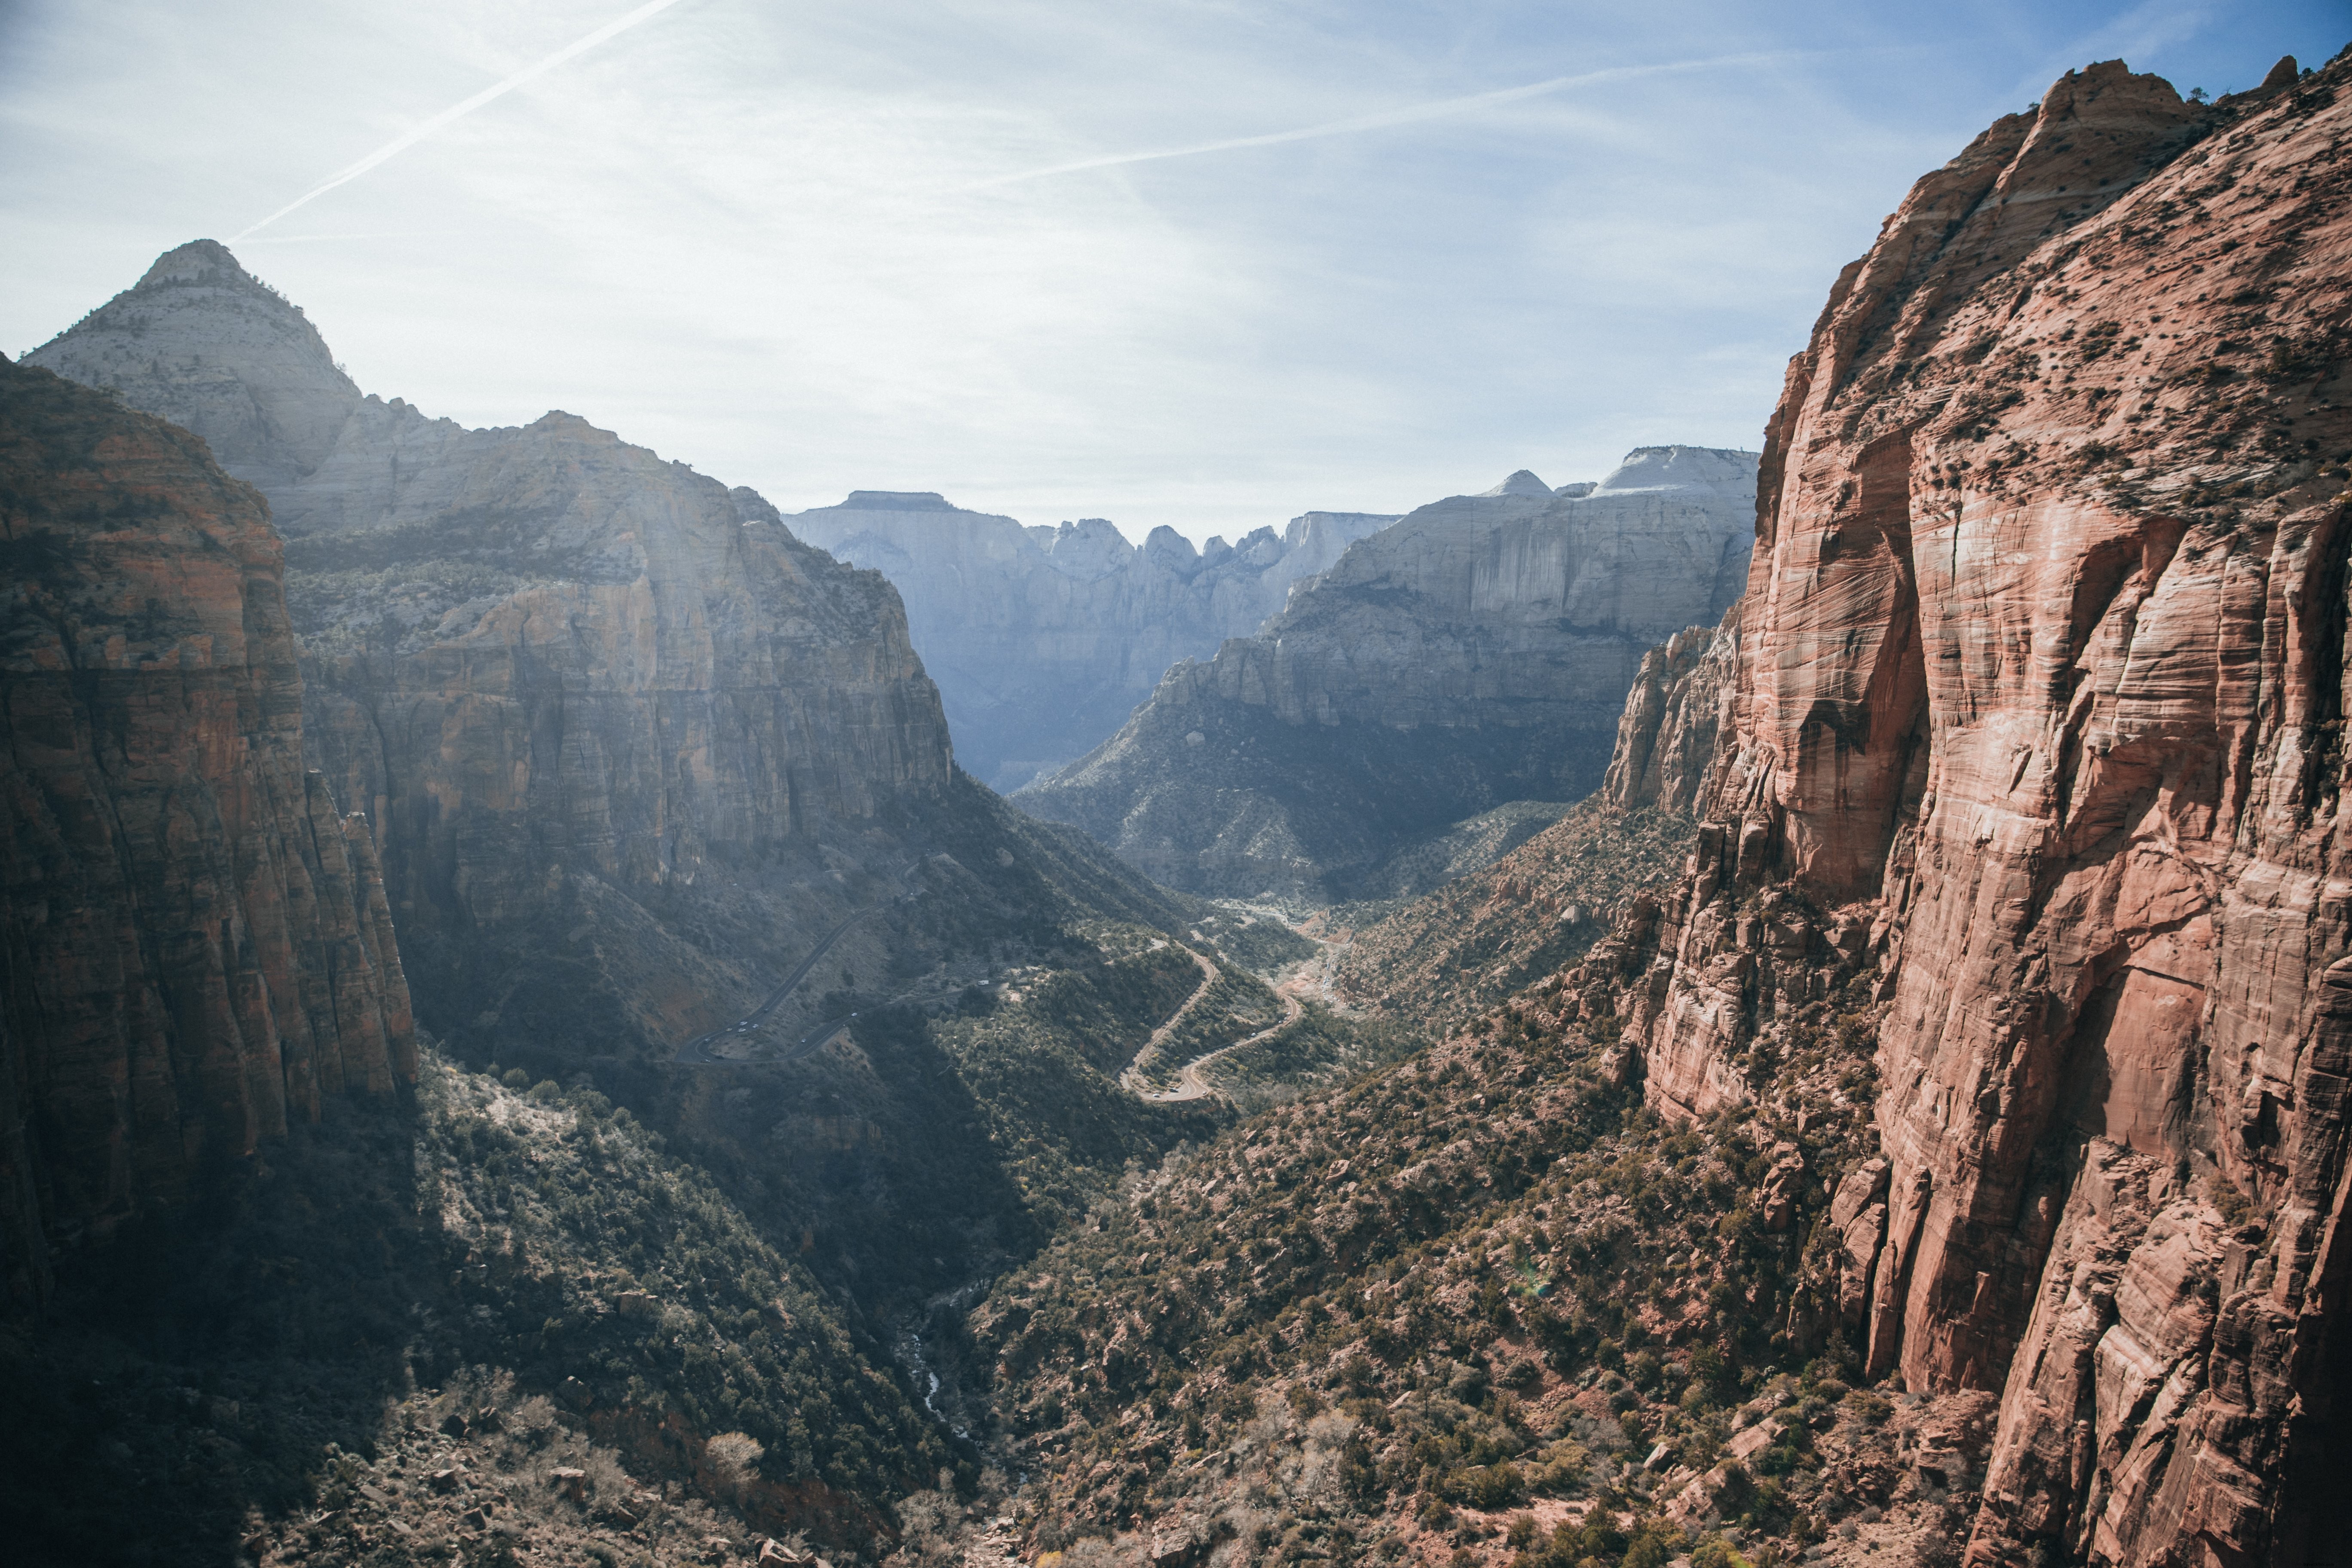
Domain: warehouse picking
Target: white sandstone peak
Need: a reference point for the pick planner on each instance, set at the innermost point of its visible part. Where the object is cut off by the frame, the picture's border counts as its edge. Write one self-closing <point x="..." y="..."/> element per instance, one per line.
<point x="1521" y="483"/>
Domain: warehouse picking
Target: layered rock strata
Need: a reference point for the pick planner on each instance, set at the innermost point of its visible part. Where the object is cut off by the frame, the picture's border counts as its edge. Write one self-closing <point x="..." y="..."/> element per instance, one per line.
<point x="1666" y="735"/>
<point x="2037" y="731"/>
<point x="629" y="748"/>
<point x="1475" y="653"/>
<point x="197" y="943"/>
<point x="1042" y="639"/>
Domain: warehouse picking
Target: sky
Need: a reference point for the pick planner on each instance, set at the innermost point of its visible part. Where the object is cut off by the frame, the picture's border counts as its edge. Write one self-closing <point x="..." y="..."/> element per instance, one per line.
<point x="1193" y="262"/>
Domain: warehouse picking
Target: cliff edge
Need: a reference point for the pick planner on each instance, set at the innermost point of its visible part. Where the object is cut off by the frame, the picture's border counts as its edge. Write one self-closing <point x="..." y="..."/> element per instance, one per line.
<point x="2037" y="722"/>
<point x="196" y="941"/>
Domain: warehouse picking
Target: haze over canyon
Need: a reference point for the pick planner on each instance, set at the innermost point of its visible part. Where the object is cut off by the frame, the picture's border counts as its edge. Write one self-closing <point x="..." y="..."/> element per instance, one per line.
<point x="1758" y="1008"/>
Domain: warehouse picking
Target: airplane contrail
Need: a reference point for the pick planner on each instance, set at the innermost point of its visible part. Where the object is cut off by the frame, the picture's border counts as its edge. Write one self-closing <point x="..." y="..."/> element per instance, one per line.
<point x="1381" y="118"/>
<point x="457" y="112"/>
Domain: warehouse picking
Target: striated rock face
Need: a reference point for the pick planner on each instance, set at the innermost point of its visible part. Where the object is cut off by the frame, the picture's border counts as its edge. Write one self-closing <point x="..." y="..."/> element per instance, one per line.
<point x="197" y="943"/>
<point x="626" y="745"/>
<point x="1478" y="652"/>
<point x="1665" y="737"/>
<point x="2038" y="727"/>
<point x="1042" y="639"/>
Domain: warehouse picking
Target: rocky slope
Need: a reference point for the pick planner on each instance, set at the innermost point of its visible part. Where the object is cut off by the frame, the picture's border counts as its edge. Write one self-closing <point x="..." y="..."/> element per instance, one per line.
<point x="2038" y="719"/>
<point x="1476" y="653"/>
<point x="1042" y="639"/>
<point x="196" y="940"/>
<point x="629" y="748"/>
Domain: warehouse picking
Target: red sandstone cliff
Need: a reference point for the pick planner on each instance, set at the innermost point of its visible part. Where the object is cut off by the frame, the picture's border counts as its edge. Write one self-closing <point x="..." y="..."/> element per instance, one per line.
<point x="2039" y="718"/>
<point x="196" y="944"/>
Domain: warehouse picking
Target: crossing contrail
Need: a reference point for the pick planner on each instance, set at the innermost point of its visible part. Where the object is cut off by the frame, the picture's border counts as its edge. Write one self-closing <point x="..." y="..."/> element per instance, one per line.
<point x="456" y="111"/>
<point x="1406" y="115"/>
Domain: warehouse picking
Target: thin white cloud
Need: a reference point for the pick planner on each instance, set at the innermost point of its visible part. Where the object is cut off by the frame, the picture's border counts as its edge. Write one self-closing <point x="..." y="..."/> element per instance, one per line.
<point x="1380" y="120"/>
<point x="457" y="112"/>
<point x="2132" y="37"/>
<point x="314" y="238"/>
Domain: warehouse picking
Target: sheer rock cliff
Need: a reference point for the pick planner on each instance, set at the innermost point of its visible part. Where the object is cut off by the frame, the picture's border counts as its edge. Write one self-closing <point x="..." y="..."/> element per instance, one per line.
<point x="1478" y="652"/>
<point x="2036" y="732"/>
<point x="1044" y="639"/>
<point x="196" y="941"/>
<point x="629" y="748"/>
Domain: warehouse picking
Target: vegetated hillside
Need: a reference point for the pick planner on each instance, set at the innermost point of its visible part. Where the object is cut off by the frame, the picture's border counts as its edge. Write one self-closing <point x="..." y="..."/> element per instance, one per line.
<point x="1483" y="1308"/>
<point x="1042" y="639"/>
<point x="344" y="1309"/>
<point x="1485" y="937"/>
<point x="1475" y="654"/>
<point x="1464" y="948"/>
<point x="792" y="1267"/>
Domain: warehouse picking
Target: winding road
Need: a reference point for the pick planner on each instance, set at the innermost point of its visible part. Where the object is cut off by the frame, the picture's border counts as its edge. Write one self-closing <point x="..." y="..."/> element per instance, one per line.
<point x="1132" y="1080"/>
<point x="1190" y="1084"/>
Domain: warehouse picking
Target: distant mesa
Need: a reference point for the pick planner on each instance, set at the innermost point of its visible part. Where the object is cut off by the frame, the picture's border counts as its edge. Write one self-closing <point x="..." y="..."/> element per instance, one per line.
<point x="1475" y="654"/>
<point x="897" y="500"/>
<point x="1044" y="638"/>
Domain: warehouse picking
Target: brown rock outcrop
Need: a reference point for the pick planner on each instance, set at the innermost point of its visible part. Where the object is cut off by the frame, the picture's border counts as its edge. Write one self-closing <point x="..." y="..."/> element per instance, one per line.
<point x="2038" y="721"/>
<point x="196" y="943"/>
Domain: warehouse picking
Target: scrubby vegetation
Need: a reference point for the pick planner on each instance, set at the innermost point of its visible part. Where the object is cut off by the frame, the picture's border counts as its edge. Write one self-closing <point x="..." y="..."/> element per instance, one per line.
<point x="1255" y="940"/>
<point x="1476" y="941"/>
<point x="199" y="1381"/>
<point x="1319" y="1049"/>
<point x="1482" y="1307"/>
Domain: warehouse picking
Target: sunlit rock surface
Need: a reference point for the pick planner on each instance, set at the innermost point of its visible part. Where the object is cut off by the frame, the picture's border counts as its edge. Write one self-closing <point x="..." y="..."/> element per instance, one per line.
<point x="2038" y="717"/>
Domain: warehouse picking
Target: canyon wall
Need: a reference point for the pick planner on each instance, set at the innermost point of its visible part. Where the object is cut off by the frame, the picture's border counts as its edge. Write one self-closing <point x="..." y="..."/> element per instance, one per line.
<point x="1042" y="639"/>
<point x="627" y="747"/>
<point x="1476" y="653"/>
<point x="2036" y="739"/>
<point x="197" y="943"/>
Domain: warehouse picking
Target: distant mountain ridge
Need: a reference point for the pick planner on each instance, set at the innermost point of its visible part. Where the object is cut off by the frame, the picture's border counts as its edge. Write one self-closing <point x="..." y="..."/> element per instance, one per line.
<point x="1042" y="639"/>
<point x="1475" y="653"/>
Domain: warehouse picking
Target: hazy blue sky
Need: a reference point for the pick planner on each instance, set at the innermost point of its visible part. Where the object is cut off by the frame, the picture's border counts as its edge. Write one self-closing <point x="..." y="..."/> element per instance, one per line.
<point x="823" y="246"/>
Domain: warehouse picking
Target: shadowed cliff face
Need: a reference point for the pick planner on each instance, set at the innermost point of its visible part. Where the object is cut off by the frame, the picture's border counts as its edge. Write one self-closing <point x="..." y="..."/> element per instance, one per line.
<point x="1478" y="652"/>
<point x="197" y="943"/>
<point x="1044" y="639"/>
<point x="2039" y="700"/>
<point x="627" y="747"/>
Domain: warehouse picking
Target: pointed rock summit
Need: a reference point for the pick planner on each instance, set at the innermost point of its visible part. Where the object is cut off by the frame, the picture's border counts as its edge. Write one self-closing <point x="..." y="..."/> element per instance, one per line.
<point x="575" y="695"/>
<point x="202" y="343"/>
<point x="1521" y="483"/>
